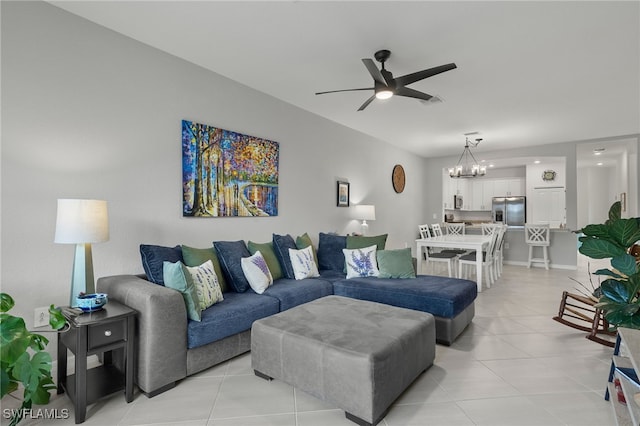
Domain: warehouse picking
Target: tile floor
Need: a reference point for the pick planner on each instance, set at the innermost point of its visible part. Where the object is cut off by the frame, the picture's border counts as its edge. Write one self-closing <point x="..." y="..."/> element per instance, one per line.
<point x="513" y="366"/>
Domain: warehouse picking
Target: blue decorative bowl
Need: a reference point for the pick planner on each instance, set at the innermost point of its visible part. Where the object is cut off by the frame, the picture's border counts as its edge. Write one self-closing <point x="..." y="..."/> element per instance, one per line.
<point x="91" y="302"/>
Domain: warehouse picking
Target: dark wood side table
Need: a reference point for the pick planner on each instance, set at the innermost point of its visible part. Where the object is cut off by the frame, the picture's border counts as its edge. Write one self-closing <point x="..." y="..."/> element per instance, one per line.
<point x="106" y="331"/>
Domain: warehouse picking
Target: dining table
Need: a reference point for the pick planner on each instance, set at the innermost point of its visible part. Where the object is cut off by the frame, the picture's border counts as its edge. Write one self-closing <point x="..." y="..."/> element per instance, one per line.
<point x="466" y="242"/>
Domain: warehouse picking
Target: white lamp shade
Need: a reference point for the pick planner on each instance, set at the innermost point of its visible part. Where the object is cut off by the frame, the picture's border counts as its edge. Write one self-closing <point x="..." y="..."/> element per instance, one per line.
<point x="365" y="212"/>
<point x="82" y="221"/>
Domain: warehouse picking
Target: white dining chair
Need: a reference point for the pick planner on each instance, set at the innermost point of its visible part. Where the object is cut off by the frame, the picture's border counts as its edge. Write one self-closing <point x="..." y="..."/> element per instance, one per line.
<point x="436" y="229"/>
<point x="499" y="252"/>
<point x="455" y="228"/>
<point x="442" y="257"/>
<point x="537" y="235"/>
<point x="490" y="228"/>
<point x="468" y="261"/>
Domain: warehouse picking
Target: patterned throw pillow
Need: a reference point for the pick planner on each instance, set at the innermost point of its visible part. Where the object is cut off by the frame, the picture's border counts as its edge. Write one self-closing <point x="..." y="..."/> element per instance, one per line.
<point x="206" y="284"/>
<point x="361" y="262"/>
<point x="257" y="272"/>
<point x="303" y="264"/>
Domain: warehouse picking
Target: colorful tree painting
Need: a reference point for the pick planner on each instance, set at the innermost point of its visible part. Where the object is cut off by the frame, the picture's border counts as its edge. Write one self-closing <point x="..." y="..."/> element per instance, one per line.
<point x="225" y="173"/>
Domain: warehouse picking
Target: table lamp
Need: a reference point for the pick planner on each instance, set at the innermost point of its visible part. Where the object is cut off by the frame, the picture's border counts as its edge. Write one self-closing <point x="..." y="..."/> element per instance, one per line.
<point x="82" y="222"/>
<point x="365" y="212"/>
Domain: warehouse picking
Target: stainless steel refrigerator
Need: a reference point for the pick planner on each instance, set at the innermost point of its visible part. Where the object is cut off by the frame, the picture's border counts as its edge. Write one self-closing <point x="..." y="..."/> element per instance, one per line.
<point x="511" y="211"/>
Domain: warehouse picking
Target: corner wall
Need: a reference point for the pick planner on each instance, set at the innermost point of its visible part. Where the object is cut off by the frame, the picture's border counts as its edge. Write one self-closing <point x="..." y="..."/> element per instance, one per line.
<point x="89" y="113"/>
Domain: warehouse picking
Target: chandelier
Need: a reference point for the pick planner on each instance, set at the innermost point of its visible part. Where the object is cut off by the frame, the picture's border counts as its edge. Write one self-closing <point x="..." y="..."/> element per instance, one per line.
<point x="468" y="166"/>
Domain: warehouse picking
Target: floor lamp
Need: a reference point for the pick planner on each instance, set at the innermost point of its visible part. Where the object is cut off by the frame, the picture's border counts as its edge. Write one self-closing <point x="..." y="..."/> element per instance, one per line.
<point x="82" y="222"/>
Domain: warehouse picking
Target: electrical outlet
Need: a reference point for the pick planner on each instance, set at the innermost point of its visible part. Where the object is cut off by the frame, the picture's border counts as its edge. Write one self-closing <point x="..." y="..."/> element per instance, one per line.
<point x="506" y="246"/>
<point x="41" y="317"/>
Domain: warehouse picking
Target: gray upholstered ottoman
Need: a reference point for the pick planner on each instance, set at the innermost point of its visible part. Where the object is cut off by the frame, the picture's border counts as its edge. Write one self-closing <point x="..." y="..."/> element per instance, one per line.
<point x="355" y="354"/>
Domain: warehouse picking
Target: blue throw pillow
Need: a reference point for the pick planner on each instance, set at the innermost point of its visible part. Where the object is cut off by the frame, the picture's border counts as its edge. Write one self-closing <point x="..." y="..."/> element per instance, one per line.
<point x="281" y="246"/>
<point x="230" y="254"/>
<point x="153" y="258"/>
<point x="330" y="254"/>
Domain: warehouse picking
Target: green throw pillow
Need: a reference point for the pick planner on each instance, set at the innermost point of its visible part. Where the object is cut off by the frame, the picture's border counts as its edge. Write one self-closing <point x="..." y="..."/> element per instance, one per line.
<point x="197" y="256"/>
<point x="266" y="249"/>
<point x="357" y="242"/>
<point x="304" y="241"/>
<point x="395" y="263"/>
<point x="175" y="278"/>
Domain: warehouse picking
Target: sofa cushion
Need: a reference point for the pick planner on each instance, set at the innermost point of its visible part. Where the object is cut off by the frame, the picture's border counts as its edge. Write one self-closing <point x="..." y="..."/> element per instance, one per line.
<point x="233" y="315"/>
<point x="441" y="296"/>
<point x="330" y="254"/>
<point x="292" y="293"/>
<point x="358" y="241"/>
<point x="331" y="275"/>
<point x="304" y="241"/>
<point x="303" y="264"/>
<point x="256" y="272"/>
<point x="281" y="245"/>
<point x="269" y="254"/>
<point x="205" y="283"/>
<point x="395" y="263"/>
<point x="197" y="256"/>
<point x="153" y="258"/>
<point x="361" y="262"/>
<point x="230" y="253"/>
<point x="175" y="278"/>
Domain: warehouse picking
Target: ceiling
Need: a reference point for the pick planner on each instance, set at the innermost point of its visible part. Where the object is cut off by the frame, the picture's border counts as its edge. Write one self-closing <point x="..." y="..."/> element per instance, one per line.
<point x="529" y="73"/>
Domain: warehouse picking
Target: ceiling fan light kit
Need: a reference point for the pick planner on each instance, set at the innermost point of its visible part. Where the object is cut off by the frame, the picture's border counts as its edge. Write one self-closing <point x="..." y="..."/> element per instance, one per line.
<point x="468" y="166"/>
<point x="385" y="86"/>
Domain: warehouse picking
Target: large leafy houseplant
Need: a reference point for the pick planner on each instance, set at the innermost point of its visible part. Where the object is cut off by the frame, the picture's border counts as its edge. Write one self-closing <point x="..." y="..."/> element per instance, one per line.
<point x="618" y="240"/>
<point x="23" y="359"/>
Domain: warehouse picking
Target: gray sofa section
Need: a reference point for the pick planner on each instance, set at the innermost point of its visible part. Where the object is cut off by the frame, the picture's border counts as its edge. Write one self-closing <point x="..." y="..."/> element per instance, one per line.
<point x="163" y="351"/>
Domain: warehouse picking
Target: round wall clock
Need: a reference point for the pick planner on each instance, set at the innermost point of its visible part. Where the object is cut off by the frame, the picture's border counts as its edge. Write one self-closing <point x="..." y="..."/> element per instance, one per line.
<point x="398" y="178"/>
<point x="548" y="175"/>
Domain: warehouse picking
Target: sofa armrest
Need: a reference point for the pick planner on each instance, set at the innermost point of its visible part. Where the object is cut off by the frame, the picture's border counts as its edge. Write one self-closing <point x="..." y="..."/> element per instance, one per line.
<point x="161" y="329"/>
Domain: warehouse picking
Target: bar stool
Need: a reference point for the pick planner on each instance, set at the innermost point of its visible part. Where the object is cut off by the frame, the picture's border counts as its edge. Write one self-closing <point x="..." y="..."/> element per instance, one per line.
<point x="537" y="236"/>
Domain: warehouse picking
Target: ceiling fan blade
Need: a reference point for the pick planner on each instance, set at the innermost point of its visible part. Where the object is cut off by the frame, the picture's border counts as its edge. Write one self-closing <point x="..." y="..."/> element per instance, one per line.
<point x="367" y="102"/>
<point x="410" y="93"/>
<point x="420" y="75"/>
<point x="374" y="71"/>
<point x="343" y="90"/>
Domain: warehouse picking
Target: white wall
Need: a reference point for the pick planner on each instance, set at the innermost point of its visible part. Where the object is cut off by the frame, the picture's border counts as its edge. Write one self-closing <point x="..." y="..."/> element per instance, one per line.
<point x="89" y="113"/>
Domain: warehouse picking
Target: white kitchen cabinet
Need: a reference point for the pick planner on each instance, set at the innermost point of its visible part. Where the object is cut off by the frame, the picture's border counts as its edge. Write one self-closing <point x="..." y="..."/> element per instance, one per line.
<point x="477" y="194"/>
<point x="515" y="187"/>
<point x="500" y="188"/>
<point x="488" y="188"/>
<point x="547" y="205"/>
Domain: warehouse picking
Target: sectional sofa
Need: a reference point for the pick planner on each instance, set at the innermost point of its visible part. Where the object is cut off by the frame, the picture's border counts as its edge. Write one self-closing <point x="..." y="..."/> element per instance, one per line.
<point x="170" y="346"/>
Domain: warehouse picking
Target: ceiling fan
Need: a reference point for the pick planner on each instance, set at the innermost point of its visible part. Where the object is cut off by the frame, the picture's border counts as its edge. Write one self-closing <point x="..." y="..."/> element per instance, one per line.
<point x="385" y="86"/>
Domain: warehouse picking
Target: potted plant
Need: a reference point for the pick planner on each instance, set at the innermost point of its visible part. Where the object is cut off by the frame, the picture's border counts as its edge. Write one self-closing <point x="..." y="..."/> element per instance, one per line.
<point x="23" y="359"/>
<point x="618" y="239"/>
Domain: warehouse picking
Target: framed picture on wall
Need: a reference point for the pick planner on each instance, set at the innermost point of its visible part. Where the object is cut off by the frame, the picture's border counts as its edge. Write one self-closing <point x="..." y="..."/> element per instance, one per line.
<point x="343" y="194"/>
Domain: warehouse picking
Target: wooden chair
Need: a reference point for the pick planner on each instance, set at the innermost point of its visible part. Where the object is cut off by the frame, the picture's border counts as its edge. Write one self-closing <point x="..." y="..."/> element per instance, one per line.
<point x="581" y="309"/>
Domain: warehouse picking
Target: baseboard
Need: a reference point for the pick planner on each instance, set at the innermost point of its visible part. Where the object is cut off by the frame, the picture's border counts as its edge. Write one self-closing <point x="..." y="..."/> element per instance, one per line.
<point x="537" y="265"/>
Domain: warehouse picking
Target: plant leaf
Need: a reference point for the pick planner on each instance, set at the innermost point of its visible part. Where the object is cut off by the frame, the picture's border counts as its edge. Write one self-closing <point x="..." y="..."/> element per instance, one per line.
<point x="615" y="211"/>
<point x="6" y="302"/>
<point x="607" y="272"/>
<point x="600" y="231"/>
<point x="600" y="249"/>
<point x="624" y="231"/>
<point x="14" y="338"/>
<point x="625" y="264"/>
<point x="56" y="319"/>
<point x="617" y="291"/>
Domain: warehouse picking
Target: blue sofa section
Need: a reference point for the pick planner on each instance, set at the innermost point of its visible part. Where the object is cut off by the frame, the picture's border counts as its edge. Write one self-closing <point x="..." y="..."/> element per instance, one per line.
<point x="169" y="347"/>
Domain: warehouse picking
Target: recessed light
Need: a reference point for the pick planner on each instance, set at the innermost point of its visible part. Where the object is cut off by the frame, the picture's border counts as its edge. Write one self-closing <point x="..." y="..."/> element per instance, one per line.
<point x="536" y="162"/>
<point x="598" y="151"/>
<point x="491" y="165"/>
<point x="599" y="164"/>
